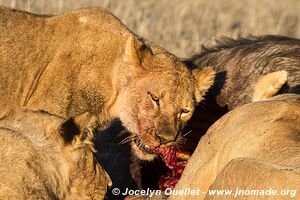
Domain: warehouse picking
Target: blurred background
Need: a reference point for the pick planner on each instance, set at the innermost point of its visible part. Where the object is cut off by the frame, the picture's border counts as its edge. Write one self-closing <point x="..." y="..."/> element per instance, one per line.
<point x="182" y="26"/>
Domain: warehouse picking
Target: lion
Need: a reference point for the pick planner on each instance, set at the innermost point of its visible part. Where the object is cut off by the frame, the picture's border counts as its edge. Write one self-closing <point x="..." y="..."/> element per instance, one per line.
<point x="253" y="147"/>
<point x="88" y="61"/>
<point x="46" y="157"/>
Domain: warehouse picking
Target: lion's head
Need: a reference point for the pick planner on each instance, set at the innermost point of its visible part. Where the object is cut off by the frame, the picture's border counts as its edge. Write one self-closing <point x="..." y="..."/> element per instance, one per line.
<point x="158" y="96"/>
<point x="89" y="180"/>
<point x="56" y="157"/>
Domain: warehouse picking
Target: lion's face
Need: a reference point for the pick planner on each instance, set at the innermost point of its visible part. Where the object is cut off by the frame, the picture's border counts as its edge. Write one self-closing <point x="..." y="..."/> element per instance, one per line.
<point x="155" y="111"/>
<point x="158" y="100"/>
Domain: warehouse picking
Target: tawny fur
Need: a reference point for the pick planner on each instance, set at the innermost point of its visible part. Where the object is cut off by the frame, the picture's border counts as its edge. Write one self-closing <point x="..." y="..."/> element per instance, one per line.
<point x="37" y="163"/>
<point x="88" y="61"/>
<point x="256" y="175"/>
<point x="269" y="85"/>
<point x="205" y="79"/>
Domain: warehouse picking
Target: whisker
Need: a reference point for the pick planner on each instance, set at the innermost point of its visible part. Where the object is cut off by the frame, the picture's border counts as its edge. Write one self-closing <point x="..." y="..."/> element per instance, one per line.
<point x="176" y="145"/>
<point x="139" y="143"/>
<point x="187" y="133"/>
<point x="180" y="140"/>
<point x="127" y="139"/>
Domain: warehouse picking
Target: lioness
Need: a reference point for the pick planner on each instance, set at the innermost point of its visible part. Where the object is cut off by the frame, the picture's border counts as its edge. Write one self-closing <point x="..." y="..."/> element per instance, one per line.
<point x="46" y="157"/>
<point x="88" y="61"/>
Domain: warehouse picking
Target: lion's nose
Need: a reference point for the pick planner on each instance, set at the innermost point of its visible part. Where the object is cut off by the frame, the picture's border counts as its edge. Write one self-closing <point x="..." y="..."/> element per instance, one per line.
<point x="165" y="137"/>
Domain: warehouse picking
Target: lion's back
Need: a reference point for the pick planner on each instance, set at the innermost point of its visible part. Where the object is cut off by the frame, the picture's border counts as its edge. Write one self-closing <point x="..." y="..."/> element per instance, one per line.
<point x="32" y="46"/>
<point x="18" y="164"/>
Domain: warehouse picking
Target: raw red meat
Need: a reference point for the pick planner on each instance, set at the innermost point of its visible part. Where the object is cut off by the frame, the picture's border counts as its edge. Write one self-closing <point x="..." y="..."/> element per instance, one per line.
<point x="168" y="155"/>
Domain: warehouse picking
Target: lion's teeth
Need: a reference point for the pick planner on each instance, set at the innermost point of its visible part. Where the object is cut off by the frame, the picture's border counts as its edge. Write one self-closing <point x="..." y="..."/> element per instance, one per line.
<point x="146" y="146"/>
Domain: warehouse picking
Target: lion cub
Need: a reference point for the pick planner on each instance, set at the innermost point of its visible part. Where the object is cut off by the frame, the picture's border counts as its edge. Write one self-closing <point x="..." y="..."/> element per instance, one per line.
<point x="46" y="157"/>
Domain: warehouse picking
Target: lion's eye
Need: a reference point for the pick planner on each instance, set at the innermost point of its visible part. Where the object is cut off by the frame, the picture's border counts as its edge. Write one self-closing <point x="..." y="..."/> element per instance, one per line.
<point x="184" y="113"/>
<point x="154" y="98"/>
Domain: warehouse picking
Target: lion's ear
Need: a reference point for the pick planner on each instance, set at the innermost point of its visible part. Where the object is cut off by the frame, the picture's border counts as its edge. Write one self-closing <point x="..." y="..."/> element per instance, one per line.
<point x="79" y="128"/>
<point x="134" y="51"/>
<point x="69" y="129"/>
<point x="204" y="80"/>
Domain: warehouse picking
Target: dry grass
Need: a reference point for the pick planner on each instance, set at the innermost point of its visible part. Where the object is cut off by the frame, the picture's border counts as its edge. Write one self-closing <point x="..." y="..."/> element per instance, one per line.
<point x="182" y="26"/>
